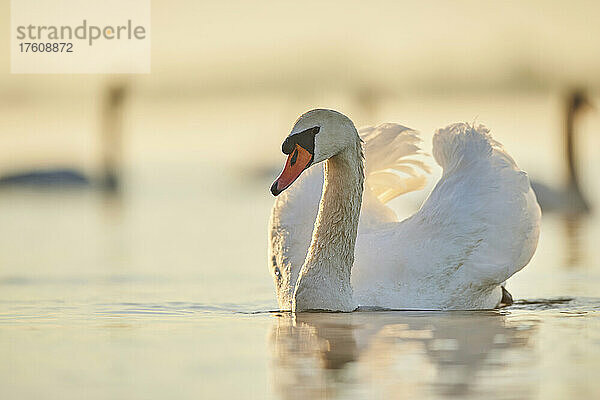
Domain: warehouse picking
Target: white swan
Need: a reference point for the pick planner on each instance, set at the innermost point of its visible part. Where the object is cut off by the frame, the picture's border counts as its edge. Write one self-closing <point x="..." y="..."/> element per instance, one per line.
<point x="478" y="227"/>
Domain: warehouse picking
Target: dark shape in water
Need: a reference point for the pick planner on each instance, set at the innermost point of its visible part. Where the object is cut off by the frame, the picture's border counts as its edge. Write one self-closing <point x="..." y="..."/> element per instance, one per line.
<point x="45" y="177"/>
<point x="569" y="198"/>
<point x="111" y="131"/>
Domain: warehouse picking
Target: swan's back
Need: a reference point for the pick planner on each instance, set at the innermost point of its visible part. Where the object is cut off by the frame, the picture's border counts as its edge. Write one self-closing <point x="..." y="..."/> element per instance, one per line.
<point x="491" y="196"/>
<point x="478" y="227"/>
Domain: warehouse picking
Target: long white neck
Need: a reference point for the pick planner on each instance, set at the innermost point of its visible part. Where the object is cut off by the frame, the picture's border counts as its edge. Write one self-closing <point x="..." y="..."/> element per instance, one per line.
<point x="324" y="280"/>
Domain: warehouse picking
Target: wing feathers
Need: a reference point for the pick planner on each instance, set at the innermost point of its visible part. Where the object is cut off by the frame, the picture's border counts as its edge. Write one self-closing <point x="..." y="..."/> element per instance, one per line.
<point x="391" y="169"/>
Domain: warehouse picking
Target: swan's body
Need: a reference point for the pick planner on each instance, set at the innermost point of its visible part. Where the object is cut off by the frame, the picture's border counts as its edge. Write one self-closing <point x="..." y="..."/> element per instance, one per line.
<point x="478" y="227"/>
<point x="568" y="198"/>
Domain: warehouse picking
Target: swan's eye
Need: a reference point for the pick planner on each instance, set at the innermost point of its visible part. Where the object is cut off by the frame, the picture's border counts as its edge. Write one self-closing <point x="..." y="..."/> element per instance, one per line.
<point x="277" y="272"/>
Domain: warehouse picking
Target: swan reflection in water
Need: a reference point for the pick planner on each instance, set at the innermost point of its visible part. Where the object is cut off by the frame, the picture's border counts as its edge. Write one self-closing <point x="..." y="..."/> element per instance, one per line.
<point x="401" y="355"/>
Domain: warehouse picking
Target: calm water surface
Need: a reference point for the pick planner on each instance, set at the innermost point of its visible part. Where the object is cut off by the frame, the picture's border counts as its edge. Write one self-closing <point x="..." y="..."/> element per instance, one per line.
<point x="163" y="292"/>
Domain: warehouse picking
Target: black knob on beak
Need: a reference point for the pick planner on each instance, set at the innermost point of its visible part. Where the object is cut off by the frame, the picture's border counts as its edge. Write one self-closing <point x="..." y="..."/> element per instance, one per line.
<point x="288" y="145"/>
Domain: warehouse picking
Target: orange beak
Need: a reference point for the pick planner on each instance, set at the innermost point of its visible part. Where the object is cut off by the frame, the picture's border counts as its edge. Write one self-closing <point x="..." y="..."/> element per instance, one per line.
<point x="297" y="161"/>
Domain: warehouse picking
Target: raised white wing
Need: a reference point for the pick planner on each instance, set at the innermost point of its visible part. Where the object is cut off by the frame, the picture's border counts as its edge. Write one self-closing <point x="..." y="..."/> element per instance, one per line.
<point x="479" y="226"/>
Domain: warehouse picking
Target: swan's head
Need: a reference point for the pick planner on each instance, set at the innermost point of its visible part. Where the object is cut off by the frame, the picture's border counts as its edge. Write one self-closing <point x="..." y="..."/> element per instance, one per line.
<point x="579" y="101"/>
<point x="316" y="136"/>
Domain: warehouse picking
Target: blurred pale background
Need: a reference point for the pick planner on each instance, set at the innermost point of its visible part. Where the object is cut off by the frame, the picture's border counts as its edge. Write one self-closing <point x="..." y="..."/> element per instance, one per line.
<point x="133" y="294"/>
